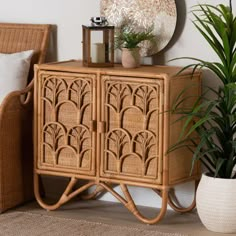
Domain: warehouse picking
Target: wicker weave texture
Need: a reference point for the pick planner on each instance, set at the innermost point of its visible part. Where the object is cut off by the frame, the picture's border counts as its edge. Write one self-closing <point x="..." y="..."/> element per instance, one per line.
<point x="110" y="126"/>
<point x="67" y="110"/>
<point x="16" y="144"/>
<point x="131" y="111"/>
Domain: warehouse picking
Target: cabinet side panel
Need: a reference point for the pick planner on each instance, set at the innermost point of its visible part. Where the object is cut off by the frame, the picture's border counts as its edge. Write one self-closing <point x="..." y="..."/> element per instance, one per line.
<point x="180" y="160"/>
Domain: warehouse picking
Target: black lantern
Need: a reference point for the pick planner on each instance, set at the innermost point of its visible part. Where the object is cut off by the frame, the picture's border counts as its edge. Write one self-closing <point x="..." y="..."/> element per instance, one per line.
<point x="98" y="45"/>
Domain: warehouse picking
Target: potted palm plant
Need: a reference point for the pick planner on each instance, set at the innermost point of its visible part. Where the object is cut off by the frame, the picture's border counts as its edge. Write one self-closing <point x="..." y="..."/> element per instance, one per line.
<point x="128" y="39"/>
<point x="209" y="129"/>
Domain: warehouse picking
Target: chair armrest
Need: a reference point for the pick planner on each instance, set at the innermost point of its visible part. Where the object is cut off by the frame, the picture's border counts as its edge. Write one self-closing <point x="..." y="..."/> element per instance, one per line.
<point x="16" y="145"/>
<point x="15" y="100"/>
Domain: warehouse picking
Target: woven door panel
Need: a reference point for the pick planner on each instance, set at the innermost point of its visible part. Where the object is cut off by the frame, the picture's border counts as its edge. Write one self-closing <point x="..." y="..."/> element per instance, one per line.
<point x="131" y="144"/>
<point x="66" y="108"/>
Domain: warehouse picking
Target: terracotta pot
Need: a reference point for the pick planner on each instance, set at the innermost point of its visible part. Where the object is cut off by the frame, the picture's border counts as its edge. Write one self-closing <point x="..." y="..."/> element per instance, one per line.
<point x="216" y="204"/>
<point x="130" y="57"/>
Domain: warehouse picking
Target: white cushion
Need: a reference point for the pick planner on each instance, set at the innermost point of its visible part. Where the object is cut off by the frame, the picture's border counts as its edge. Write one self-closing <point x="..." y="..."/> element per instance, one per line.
<point x="14" y="69"/>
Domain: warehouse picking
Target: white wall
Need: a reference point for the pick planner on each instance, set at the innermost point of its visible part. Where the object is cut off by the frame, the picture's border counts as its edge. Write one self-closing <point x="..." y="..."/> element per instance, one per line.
<point x="69" y="15"/>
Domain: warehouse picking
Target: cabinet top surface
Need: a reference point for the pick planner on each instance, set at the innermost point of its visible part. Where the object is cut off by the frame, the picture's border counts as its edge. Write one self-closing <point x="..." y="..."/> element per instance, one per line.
<point x="77" y="66"/>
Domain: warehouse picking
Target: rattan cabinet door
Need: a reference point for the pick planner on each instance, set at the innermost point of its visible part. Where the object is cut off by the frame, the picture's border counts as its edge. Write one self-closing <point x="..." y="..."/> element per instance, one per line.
<point x="132" y="116"/>
<point x="65" y="122"/>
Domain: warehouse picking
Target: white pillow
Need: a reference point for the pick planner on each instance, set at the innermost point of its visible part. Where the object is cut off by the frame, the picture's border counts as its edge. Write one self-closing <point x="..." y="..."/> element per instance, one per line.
<point x="14" y="69"/>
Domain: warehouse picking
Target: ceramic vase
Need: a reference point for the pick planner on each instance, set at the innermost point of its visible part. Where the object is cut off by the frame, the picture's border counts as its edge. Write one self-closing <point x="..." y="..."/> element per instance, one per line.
<point x="130" y="57"/>
<point x="216" y="204"/>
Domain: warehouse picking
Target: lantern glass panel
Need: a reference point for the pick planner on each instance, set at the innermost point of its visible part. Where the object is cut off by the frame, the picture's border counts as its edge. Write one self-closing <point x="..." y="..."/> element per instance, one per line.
<point x="98" y="46"/>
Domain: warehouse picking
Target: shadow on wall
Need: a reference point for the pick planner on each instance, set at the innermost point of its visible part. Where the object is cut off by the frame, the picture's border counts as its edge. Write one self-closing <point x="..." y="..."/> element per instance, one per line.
<point x="209" y="80"/>
<point x="52" y="54"/>
<point x="159" y="58"/>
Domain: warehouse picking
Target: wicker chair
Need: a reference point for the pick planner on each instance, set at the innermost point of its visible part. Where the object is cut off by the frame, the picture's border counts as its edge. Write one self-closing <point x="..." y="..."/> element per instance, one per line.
<point x="16" y="110"/>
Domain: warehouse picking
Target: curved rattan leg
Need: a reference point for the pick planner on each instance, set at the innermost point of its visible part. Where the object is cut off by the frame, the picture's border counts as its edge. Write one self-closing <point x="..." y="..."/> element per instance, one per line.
<point x="97" y="191"/>
<point x="67" y="195"/>
<point x="175" y="205"/>
<point x="130" y="205"/>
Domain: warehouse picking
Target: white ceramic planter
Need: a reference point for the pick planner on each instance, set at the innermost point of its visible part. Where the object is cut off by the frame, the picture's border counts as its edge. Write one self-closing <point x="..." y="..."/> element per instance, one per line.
<point x="216" y="204"/>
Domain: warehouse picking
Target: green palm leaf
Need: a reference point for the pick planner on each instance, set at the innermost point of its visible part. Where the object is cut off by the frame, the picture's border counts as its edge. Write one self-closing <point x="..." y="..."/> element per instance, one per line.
<point x="209" y="129"/>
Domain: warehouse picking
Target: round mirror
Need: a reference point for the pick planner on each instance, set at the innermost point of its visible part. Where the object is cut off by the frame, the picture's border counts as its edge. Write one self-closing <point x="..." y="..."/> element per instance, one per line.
<point x="159" y="14"/>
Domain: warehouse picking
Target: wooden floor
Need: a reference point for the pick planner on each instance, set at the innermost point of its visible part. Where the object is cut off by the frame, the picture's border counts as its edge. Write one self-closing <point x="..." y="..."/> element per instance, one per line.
<point x="110" y="213"/>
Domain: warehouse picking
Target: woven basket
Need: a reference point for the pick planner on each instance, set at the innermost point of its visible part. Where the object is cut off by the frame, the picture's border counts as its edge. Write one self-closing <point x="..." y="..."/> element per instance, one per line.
<point x="216" y="204"/>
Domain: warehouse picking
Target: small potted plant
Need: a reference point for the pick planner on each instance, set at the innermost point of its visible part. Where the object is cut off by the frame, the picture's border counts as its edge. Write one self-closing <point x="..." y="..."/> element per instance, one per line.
<point x="210" y="125"/>
<point x="128" y="39"/>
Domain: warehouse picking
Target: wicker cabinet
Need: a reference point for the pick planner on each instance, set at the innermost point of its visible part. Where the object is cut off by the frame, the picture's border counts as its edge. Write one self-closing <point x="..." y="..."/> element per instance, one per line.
<point x="111" y="126"/>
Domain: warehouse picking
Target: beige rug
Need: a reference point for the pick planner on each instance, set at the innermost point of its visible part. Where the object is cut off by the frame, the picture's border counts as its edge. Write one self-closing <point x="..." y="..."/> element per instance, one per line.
<point x="30" y="224"/>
